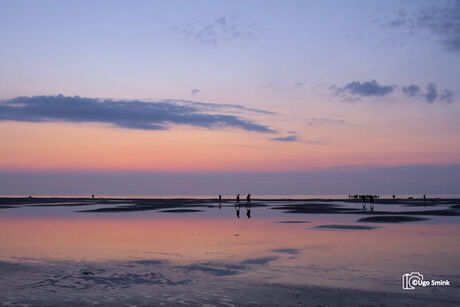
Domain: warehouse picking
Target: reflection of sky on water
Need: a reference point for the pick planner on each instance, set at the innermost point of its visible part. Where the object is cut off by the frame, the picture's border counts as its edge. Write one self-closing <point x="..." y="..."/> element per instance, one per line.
<point x="272" y="245"/>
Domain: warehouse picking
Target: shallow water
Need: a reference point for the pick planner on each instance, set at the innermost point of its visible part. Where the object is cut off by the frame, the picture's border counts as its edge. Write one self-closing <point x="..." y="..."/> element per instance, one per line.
<point x="51" y="249"/>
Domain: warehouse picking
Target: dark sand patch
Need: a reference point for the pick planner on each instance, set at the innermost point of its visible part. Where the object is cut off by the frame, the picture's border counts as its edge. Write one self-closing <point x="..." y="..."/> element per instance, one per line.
<point x="63" y="205"/>
<point x="158" y="204"/>
<point x="309" y="208"/>
<point x="149" y="262"/>
<point x="292" y="222"/>
<point x="216" y="271"/>
<point x="444" y="212"/>
<point x="181" y="210"/>
<point x="391" y="219"/>
<point x="345" y="227"/>
<point x="441" y="212"/>
<point x="261" y="260"/>
<point x="290" y="251"/>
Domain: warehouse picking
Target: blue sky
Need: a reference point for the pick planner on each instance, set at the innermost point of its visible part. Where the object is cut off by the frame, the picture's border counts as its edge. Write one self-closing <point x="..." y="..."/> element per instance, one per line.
<point x="262" y="86"/>
<point x="158" y="49"/>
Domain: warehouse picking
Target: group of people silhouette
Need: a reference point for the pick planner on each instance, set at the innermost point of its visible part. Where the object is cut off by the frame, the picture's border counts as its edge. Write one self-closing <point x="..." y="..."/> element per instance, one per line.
<point x="356" y="196"/>
<point x="238" y="205"/>
<point x="364" y="199"/>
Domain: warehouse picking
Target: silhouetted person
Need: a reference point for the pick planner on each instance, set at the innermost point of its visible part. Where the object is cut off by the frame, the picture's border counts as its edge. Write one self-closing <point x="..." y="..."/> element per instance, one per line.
<point x="92" y="196"/>
<point x="220" y="198"/>
<point x="248" y="198"/>
<point x="424" y="197"/>
<point x="394" y="196"/>
<point x="30" y="196"/>
<point x="371" y="203"/>
<point x="238" y="198"/>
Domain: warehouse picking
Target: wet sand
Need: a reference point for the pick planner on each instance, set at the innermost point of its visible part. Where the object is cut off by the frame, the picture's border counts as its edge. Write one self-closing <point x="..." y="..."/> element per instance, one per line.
<point x="147" y="283"/>
<point x="306" y="206"/>
<point x="197" y="252"/>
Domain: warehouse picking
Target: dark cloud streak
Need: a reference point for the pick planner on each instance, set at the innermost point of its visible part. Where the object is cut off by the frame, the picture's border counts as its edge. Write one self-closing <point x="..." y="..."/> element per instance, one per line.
<point x="134" y="114"/>
<point x="368" y="88"/>
<point x="355" y="90"/>
<point x="290" y="138"/>
<point x="411" y="90"/>
<point x="430" y="94"/>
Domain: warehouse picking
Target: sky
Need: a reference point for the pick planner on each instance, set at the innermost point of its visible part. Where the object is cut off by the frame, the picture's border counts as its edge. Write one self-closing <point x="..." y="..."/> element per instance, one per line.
<point x="269" y="97"/>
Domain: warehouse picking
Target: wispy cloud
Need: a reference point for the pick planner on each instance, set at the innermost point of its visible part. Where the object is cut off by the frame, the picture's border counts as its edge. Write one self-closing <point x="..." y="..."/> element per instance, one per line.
<point x="325" y="121"/>
<point x="430" y="94"/>
<point x="290" y="138"/>
<point x="135" y="114"/>
<point x="441" y="20"/>
<point x="411" y="90"/>
<point x="195" y="91"/>
<point x="356" y="90"/>
<point x="294" y="138"/>
<point x="220" y="107"/>
<point x="367" y="88"/>
<point x="217" y="31"/>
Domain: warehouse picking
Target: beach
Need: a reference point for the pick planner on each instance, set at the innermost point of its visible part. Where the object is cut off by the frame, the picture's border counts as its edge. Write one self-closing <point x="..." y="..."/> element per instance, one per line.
<point x="185" y="251"/>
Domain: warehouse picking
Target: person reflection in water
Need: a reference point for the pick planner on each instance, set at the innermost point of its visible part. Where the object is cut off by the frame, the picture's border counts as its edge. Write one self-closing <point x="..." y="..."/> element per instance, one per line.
<point x="237" y="209"/>
<point x="248" y="206"/>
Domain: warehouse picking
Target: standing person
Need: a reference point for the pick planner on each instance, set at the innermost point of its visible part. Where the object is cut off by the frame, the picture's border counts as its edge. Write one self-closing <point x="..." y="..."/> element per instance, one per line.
<point x="220" y="198"/>
<point x="248" y="198"/>
<point x="238" y="198"/>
